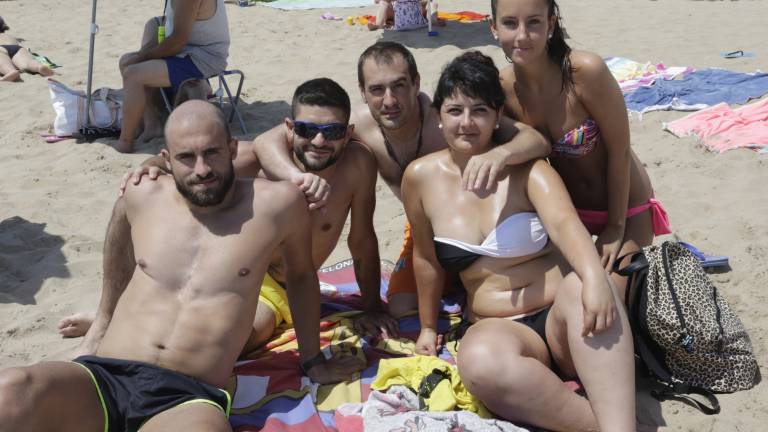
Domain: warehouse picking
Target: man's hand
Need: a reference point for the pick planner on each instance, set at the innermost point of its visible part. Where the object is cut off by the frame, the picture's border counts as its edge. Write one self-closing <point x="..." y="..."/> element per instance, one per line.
<point x="376" y="323"/>
<point x="428" y="342"/>
<point x="315" y="189"/>
<point x="599" y="306"/>
<point x="609" y="245"/>
<point x="340" y="367"/>
<point x="135" y="176"/>
<point x="482" y="171"/>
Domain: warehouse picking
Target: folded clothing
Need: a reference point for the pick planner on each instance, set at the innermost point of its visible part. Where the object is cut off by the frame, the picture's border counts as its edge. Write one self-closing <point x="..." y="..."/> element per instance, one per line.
<point x="721" y="128"/>
<point x="699" y="90"/>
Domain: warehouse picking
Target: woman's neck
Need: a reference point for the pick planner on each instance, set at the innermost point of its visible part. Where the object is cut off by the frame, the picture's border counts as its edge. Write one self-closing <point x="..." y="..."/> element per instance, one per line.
<point x="537" y="75"/>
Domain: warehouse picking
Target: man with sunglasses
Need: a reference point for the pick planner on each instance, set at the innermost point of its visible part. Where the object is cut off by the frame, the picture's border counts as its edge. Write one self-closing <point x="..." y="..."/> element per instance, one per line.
<point x="398" y="125"/>
<point x="318" y="136"/>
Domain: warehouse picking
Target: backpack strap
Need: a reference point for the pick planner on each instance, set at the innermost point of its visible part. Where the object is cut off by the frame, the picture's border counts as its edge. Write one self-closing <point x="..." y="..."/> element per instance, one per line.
<point x="637" y="263"/>
<point x="680" y="392"/>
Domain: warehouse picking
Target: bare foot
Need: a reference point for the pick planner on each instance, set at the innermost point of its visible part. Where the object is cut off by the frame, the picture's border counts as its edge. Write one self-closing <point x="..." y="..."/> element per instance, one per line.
<point x="76" y="325"/>
<point x="124" y="146"/>
<point x="11" y="76"/>
<point x="150" y="134"/>
<point x="45" y="71"/>
<point x="373" y="26"/>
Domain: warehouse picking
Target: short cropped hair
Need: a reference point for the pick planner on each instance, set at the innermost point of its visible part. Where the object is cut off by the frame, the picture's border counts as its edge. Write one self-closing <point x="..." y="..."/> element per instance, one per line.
<point x="472" y="74"/>
<point x="384" y="51"/>
<point x="323" y="92"/>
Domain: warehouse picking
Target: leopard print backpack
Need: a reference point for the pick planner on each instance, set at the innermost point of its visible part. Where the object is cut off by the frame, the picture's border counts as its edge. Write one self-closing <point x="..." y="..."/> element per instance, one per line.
<point x="685" y="334"/>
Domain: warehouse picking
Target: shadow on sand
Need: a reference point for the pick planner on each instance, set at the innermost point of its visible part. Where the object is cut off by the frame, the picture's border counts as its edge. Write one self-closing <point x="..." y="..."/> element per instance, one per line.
<point x="28" y="256"/>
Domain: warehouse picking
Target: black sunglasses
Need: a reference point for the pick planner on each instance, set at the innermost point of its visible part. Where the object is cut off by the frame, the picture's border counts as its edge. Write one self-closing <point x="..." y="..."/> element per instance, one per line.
<point x="330" y="131"/>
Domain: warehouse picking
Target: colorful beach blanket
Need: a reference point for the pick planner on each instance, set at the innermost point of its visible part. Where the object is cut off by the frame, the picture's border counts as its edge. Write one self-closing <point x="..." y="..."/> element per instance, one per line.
<point x="632" y="75"/>
<point x="461" y="16"/>
<point x="270" y="394"/>
<point x="315" y="4"/>
<point x="698" y="90"/>
<point x="721" y="128"/>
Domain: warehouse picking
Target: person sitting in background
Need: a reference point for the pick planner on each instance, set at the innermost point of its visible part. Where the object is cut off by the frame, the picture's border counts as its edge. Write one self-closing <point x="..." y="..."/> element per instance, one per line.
<point x="194" y="45"/>
<point x="15" y="59"/>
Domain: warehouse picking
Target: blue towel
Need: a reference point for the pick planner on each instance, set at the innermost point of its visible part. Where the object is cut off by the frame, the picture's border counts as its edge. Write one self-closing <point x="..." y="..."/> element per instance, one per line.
<point x="700" y="88"/>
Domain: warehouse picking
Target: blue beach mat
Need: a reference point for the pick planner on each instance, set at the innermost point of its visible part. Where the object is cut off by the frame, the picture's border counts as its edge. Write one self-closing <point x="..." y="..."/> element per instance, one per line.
<point x="699" y="90"/>
<point x="316" y="4"/>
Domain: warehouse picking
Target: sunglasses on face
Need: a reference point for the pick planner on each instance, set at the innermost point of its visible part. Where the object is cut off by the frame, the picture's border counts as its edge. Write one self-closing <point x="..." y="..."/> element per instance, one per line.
<point x="330" y="131"/>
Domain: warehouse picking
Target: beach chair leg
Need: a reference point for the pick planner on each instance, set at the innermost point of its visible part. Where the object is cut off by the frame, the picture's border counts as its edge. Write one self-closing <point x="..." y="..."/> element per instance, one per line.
<point x="233" y="101"/>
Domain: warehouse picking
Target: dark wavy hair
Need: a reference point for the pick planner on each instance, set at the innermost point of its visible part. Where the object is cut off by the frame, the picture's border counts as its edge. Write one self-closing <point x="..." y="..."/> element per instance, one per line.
<point x="323" y="92"/>
<point x="473" y="74"/>
<point x="3" y="25"/>
<point x="557" y="49"/>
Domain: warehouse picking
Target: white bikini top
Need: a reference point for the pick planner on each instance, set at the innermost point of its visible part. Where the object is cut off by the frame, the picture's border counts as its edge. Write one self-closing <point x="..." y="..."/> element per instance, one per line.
<point x="518" y="235"/>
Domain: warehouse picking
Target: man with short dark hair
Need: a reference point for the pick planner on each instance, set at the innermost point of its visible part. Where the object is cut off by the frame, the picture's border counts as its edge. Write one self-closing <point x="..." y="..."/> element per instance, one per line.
<point x="186" y="253"/>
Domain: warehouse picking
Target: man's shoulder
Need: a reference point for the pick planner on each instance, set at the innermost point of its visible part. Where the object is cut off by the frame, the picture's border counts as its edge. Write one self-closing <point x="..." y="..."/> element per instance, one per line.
<point x="274" y="194"/>
<point x="147" y="188"/>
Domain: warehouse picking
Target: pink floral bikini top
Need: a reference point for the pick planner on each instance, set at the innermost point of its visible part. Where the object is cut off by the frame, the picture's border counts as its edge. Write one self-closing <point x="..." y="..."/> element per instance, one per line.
<point x="578" y="141"/>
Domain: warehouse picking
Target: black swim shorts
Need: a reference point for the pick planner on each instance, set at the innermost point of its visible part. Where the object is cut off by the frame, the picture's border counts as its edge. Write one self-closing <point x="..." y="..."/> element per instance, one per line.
<point x="133" y="392"/>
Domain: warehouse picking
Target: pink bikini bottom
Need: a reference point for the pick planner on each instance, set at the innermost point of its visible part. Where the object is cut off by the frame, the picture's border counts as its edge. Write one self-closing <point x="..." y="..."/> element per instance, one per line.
<point x="595" y="221"/>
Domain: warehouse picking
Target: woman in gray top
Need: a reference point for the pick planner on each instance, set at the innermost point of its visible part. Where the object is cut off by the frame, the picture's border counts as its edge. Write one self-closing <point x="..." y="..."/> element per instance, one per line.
<point x="194" y="45"/>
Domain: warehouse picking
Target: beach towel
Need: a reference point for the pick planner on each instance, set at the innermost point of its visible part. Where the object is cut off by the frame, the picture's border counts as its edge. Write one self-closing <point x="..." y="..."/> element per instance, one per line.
<point x="270" y="393"/>
<point x="721" y="128"/>
<point x="632" y="75"/>
<point x="315" y="4"/>
<point x="698" y="90"/>
<point x="460" y="16"/>
<point x="397" y="409"/>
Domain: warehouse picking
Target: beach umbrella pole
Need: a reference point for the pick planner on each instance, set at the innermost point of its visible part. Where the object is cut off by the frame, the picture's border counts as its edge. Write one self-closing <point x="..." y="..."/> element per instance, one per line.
<point x="93" y="29"/>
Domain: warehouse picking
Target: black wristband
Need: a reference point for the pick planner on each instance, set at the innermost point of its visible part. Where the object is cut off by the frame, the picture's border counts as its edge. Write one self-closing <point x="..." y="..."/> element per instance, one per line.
<point x="305" y="366"/>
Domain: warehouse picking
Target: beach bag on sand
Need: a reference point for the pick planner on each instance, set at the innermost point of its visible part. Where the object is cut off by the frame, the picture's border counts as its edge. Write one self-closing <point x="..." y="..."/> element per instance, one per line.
<point x="69" y="105"/>
<point x="408" y="15"/>
<point x="685" y="334"/>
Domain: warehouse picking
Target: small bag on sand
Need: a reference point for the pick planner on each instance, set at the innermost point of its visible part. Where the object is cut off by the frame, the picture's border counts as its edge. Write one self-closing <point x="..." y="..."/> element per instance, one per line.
<point x="106" y="108"/>
<point x="408" y="15"/>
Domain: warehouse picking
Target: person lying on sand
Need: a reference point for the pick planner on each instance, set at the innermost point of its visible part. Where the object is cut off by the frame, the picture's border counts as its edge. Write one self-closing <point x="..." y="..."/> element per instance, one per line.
<point x="15" y="59"/>
<point x="179" y="299"/>
<point x="318" y="134"/>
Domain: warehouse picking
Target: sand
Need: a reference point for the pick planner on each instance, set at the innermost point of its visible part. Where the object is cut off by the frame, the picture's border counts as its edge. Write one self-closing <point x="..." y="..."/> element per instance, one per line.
<point x="55" y="199"/>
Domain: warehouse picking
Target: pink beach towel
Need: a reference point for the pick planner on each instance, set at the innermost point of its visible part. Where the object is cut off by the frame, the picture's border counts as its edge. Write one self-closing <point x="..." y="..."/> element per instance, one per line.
<point x="721" y="128"/>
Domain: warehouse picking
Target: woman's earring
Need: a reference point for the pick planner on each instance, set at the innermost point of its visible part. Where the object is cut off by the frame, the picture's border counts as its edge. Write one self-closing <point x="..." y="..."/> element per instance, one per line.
<point x="497" y="126"/>
<point x="550" y="36"/>
<point x="439" y="125"/>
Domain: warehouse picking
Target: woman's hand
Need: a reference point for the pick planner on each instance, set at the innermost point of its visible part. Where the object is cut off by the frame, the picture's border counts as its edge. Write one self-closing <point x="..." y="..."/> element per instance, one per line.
<point x="609" y="245"/>
<point x="427" y="342"/>
<point x="599" y="305"/>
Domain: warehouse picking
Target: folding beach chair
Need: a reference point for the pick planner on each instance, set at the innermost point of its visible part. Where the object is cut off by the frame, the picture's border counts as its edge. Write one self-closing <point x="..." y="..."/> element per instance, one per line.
<point x="220" y="93"/>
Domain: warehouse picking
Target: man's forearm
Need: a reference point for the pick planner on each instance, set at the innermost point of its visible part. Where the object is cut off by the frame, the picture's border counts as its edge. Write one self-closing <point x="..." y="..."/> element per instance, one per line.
<point x="368" y="275"/>
<point x="525" y="145"/>
<point x="274" y="157"/>
<point x="304" y="302"/>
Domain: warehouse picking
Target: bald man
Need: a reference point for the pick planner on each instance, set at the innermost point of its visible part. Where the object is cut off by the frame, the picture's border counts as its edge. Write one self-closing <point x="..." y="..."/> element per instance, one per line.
<point x="169" y="330"/>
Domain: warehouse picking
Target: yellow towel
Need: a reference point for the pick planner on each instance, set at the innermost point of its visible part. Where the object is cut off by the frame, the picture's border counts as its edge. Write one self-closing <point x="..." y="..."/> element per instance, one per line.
<point x="448" y="395"/>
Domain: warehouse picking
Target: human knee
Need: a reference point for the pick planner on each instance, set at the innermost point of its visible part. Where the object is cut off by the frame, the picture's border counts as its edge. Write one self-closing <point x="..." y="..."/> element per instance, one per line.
<point x="479" y="357"/>
<point x="13" y="383"/>
<point x="401" y="304"/>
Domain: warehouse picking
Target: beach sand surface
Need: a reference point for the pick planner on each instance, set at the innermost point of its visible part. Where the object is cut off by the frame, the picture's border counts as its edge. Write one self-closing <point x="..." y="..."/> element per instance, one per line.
<point x="56" y="199"/>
